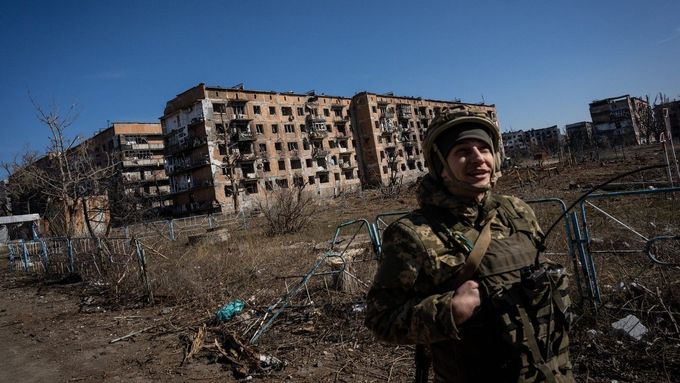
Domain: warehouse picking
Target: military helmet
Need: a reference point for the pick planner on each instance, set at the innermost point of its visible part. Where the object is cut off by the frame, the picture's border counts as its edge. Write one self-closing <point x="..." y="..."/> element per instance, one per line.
<point x="459" y="118"/>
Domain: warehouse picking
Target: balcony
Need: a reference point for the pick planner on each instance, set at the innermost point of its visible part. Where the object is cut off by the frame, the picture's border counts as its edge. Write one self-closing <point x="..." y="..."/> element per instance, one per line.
<point x="386" y="131"/>
<point x="318" y="134"/>
<point x="187" y="144"/>
<point x="320" y="153"/>
<point x="315" y="119"/>
<point x="141" y="146"/>
<point x="240" y="117"/>
<point x="243" y="136"/>
<point x="388" y="114"/>
<point x="143" y="162"/>
<point x="186" y="166"/>
<point x="405" y="114"/>
<point x="346" y="165"/>
<point x="340" y="119"/>
<point x="247" y="157"/>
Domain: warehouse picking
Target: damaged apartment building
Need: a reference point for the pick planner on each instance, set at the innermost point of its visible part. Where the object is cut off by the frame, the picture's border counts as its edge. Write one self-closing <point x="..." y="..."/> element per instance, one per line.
<point x="225" y="147"/>
<point x="119" y="174"/>
<point x="135" y="150"/>
<point x="390" y="130"/>
<point x="616" y="121"/>
<point x="544" y="141"/>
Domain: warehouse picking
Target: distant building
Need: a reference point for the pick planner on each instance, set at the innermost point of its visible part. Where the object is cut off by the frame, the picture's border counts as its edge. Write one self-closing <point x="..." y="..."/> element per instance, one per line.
<point x="580" y="135"/>
<point x="119" y="171"/>
<point x="516" y="143"/>
<point x="526" y="143"/>
<point x="136" y="151"/>
<point x="616" y="121"/>
<point x="390" y="129"/>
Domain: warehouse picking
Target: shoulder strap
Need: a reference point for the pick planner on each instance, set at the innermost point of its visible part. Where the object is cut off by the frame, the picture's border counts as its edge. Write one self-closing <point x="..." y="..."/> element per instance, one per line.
<point x="476" y="255"/>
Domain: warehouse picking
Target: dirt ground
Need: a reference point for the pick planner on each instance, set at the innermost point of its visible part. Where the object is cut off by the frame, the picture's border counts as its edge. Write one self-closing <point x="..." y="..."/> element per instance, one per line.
<point x="69" y="332"/>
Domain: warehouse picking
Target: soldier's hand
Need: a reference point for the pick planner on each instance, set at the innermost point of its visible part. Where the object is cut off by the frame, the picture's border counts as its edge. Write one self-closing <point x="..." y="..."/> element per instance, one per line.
<point x="465" y="301"/>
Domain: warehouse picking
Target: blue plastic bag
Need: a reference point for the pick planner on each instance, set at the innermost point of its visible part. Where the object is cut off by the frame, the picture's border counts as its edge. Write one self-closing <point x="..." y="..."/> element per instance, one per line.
<point x="230" y="310"/>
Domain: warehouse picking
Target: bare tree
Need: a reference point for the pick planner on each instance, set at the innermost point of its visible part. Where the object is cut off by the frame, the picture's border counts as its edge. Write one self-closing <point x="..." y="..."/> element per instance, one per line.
<point x="287" y="210"/>
<point x="64" y="183"/>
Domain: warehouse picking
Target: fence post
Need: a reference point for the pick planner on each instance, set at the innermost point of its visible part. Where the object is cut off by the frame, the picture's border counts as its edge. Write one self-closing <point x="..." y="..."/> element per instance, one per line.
<point x="25" y="254"/>
<point x="172" y="230"/>
<point x="210" y="221"/>
<point x="45" y="256"/>
<point x="142" y="268"/>
<point x="10" y="254"/>
<point x="71" y="258"/>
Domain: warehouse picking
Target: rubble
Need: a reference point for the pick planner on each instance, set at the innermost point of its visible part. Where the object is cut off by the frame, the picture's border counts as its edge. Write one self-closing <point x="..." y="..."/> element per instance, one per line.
<point x="630" y="326"/>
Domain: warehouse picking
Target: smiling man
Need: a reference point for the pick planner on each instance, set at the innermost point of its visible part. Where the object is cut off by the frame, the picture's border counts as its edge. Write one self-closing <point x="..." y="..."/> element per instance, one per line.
<point x="456" y="275"/>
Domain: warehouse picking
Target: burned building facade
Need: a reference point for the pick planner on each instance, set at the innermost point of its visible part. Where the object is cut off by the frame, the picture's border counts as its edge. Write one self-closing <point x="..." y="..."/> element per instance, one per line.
<point x="389" y="132"/>
<point x="225" y="147"/>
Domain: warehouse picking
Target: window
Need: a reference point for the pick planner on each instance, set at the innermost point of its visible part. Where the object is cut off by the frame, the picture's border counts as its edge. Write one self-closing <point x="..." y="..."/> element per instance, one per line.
<point x="329" y="128"/>
<point x="303" y="128"/>
<point x="266" y="167"/>
<point x="256" y="109"/>
<point x="374" y="109"/>
<point x="323" y="178"/>
<point x="263" y="148"/>
<point x="282" y="165"/>
<point x="305" y="145"/>
<point x="310" y="180"/>
<point x="283" y="183"/>
<point x="268" y="185"/>
<point x="272" y="110"/>
<point x="292" y="146"/>
<point x="277" y="146"/>
<point x="289" y="128"/>
<point x="295" y="164"/>
<point x="251" y="187"/>
<point x="331" y="144"/>
<point x="239" y="108"/>
<point x="275" y="128"/>
<point x="338" y="112"/>
<point x="326" y="112"/>
<point x="286" y="111"/>
<point x="308" y="163"/>
<point x="298" y="181"/>
<point x="300" y="111"/>
<point x="247" y="167"/>
<point x="259" y="128"/>
<point x="349" y="175"/>
<point x="219" y="108"/>
<point x="220" y="128"/>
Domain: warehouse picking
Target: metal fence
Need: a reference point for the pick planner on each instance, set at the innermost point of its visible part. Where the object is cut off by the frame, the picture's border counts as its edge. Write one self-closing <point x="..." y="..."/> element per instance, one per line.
<point x="115" y="262"/>
<point x="180" y="227"/>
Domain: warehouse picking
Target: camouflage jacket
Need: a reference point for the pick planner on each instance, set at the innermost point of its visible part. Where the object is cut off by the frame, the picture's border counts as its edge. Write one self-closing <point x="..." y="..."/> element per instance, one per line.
<point x="409" y="301"/>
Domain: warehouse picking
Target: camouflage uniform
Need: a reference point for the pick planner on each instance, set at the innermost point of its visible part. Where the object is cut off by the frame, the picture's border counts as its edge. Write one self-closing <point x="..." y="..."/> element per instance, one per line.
<point x="409" y="302"/>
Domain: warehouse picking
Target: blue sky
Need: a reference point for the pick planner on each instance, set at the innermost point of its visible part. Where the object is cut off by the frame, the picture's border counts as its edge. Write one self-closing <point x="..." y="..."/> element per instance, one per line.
<point x="540" y="62"/>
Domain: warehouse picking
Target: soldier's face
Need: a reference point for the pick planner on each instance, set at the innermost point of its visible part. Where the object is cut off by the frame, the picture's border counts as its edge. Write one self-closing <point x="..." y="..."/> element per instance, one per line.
<point x="471" y="162"/>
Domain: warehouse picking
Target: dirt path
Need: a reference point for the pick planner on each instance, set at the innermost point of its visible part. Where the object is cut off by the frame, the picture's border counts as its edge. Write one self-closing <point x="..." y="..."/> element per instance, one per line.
<point x="45" y="336"/>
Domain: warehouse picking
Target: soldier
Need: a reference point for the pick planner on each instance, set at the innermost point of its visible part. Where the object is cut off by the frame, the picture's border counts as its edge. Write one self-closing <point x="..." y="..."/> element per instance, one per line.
<point x="458" y="276"/>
